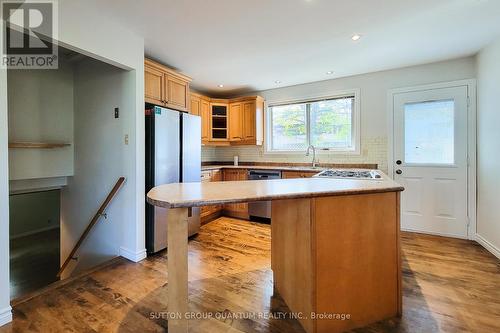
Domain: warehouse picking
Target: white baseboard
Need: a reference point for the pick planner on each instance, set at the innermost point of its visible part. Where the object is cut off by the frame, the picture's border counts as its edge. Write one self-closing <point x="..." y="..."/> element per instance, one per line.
<point x="132" y="255"/>
<point x="488" y="246"/>
<point x="5" y="315"/>
<point x="433" y="233"/>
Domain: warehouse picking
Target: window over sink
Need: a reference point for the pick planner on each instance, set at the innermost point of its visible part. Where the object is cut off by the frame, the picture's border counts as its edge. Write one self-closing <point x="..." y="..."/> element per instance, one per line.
<point x="328" y="123"/>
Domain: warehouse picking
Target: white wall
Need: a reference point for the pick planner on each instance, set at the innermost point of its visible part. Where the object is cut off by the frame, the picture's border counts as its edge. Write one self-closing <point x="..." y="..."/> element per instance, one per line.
<point x="5" y="312"/>
<point x="83" y="28"/>
<point x="100" y="159"/>
<point x="488" y="145"/>
<point x="41" y="110"/>
<point x="34" y="212"/>
<point x="373" y="102"/>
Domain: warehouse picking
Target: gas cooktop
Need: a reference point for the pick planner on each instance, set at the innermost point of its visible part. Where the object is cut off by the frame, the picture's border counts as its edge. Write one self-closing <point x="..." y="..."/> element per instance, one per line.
<point x="350" y="174"/>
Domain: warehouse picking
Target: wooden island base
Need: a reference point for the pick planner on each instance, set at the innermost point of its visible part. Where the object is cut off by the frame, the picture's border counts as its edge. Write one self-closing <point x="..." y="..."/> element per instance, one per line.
<point x="336" y="257"/>
<point x="334" y="245"/>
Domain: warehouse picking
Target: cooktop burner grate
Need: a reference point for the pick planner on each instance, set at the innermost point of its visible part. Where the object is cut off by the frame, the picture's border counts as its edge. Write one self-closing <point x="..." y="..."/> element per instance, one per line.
<point x="357" y="174"/>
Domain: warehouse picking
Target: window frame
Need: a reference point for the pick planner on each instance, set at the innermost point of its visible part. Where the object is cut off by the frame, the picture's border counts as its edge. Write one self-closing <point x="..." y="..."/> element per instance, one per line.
<point x="356" y="128"/>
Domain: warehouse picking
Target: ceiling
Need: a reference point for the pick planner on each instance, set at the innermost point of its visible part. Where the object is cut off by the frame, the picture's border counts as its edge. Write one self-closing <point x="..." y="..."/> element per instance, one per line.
<point x="248" y="45"/>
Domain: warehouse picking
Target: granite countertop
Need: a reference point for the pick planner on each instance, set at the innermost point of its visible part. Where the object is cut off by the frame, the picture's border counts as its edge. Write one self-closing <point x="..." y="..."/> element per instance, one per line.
<point x="182" y="195"/>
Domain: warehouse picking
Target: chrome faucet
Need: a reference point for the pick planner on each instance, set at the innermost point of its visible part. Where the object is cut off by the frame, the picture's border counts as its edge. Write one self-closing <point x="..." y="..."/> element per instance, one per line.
<point x="314" y="154"/>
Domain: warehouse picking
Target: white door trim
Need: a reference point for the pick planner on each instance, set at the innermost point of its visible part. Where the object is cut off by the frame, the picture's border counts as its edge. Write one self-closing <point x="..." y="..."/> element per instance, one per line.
<point x="471" y="140"/>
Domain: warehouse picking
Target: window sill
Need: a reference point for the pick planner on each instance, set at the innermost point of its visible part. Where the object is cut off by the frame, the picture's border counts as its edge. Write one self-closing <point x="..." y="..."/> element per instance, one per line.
<point x="318" y="152"/>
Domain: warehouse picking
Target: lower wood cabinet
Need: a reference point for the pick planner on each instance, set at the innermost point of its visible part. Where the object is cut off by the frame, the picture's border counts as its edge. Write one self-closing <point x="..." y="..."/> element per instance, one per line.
<point x="298" y="174"/>
<point x="236" y="210"/>
<point x="240" y="210"/>
<point x="208" y="213"/>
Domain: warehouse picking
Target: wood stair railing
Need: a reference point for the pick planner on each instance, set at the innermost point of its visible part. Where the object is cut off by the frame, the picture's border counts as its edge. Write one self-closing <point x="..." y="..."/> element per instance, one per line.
<point x="94" y="220"/>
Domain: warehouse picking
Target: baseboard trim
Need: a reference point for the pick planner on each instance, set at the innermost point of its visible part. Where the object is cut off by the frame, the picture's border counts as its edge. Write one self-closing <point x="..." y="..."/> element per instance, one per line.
<point x="433" y="233"/>
<point x="131" y="255"/>
<point x="488" y="246"/>
<point x="5" y="315"/>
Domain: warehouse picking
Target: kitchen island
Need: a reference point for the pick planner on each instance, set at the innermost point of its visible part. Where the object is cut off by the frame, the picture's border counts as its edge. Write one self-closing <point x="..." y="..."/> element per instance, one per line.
<point x="335" y="246"/>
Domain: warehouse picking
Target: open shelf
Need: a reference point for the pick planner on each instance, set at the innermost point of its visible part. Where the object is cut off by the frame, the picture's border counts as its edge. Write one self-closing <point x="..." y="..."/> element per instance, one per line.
<point x="38" y="145"/>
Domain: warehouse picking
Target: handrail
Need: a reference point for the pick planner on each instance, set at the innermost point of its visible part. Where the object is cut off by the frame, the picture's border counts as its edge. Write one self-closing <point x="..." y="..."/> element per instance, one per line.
<point x="94" y="220"/>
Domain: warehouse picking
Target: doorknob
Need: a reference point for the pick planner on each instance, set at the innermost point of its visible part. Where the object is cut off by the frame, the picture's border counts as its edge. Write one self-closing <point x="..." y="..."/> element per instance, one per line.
<point x="399" y="171"/>
<point x="398" y="162"/>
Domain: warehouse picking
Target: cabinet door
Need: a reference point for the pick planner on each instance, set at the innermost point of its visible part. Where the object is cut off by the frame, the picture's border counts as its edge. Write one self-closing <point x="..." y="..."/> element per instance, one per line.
<point x="235" y="122"/>
<point x="249" y="121"/>
<point x="240" y="209"/>
<point x="195" y="106"/>
<point x="177" y="93"/>
<point x="205" y="120"/>
<point x="219" y="122"/>
<point x="154" y="86"/>
<point x="216" y="176"/>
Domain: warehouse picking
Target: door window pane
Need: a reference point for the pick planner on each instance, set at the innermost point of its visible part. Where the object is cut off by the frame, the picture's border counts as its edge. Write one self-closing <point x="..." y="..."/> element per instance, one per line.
<point x="289" y="127"/>
<point x="331" y="123"/>
<point x="430" y="132"/>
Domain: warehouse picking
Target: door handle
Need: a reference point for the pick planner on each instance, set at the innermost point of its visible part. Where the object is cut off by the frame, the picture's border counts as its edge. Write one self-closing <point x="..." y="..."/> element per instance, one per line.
<point x="398" y="162"/>
<point x="399" y="171"/>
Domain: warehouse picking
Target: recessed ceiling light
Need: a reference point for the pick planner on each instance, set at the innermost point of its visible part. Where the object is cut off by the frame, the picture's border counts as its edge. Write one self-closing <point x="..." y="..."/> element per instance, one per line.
<point x="329" y="73"/>
<point x="220" y="86"/>
<point x="355" y="37"/>
<point x="277" y="81"/>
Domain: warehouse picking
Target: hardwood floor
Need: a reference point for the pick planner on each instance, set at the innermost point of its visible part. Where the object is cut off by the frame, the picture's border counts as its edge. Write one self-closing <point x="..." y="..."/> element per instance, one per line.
<point x="450" y="285"/>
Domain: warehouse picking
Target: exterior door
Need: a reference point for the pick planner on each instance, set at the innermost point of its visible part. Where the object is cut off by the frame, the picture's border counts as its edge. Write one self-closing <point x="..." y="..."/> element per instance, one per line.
<point x="430" y="156"/>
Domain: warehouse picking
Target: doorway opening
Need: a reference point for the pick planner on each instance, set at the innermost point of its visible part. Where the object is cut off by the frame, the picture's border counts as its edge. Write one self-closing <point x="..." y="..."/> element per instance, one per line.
<point x="34" y="240"/>
<point x="68" y="131"/>
<point x="432" y="154"/>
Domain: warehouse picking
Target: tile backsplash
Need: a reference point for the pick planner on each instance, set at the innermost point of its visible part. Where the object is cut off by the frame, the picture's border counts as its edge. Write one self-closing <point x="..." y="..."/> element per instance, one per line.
<point x="373" y="150"/>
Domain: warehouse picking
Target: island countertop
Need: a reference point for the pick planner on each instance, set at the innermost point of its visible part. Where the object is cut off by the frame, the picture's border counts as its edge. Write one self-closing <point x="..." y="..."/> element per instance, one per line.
<point x="184" y="195"/>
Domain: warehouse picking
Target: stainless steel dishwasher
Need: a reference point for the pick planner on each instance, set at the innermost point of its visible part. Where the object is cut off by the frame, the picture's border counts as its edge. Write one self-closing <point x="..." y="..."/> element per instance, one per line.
<point x="261" y="210"/>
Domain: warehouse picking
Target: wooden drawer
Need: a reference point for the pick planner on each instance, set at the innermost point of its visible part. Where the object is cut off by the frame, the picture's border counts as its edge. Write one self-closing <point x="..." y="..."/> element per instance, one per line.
<point x="298" y="174"/>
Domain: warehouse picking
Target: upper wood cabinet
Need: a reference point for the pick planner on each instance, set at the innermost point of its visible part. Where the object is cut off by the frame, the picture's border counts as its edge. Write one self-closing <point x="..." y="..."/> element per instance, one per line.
<point x="195" y="104"/>
<point x="224" y="122"/>
<point x="165" y="87"/>
<point x="249" y="128"/>
<point x="154" y="85"/>
<point x="219" y="122"/>
<point x="235" y="121"/>
<point x="205" y="119"/>
<point x="250" y="121"/>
